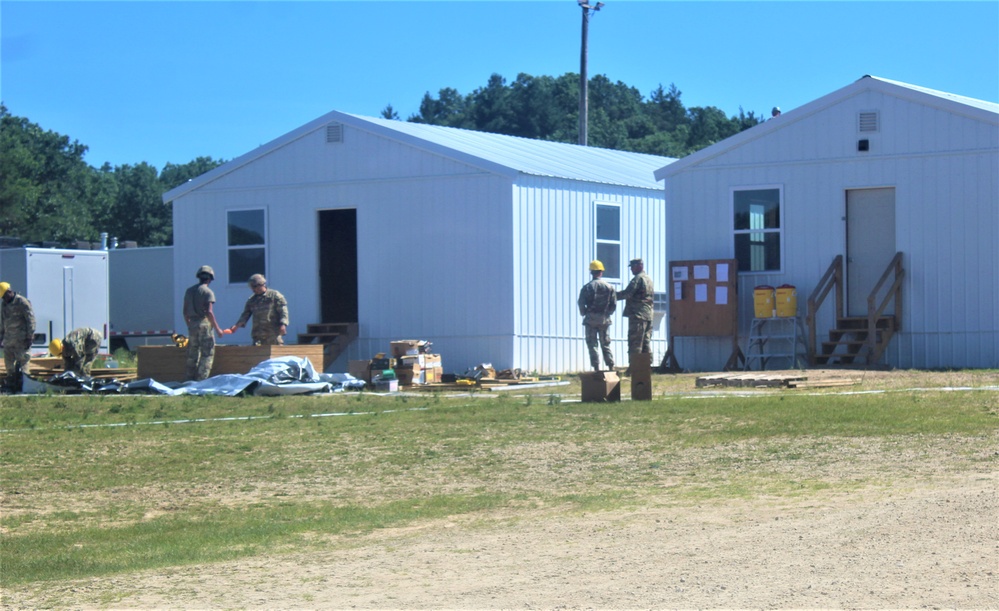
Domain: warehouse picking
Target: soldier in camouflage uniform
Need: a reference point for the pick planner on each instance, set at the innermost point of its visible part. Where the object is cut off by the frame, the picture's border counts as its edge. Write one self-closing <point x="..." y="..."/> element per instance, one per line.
<point x="201" y="323"/>
<point x="638" y="309"/>
<point x="269" y="310"/>
<point x="597" y="301"/>
<point x="79" y="350"/>
<point x="17" y="332"/>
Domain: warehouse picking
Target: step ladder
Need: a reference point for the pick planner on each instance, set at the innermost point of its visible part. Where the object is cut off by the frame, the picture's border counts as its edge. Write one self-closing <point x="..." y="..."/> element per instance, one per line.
<point x="780" y="339"/>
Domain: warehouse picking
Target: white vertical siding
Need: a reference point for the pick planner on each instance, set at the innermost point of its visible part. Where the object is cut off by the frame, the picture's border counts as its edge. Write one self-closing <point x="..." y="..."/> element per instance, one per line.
<point x="434" y="247"/>
<point x="944" y="169"/>
<point x="553" y="243"/>
<point x="486" y="269"/>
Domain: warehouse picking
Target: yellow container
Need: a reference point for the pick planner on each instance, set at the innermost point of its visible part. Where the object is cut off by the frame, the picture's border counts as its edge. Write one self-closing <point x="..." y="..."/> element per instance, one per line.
<point x="763" y="302"/>
<point x="787" y="301"/>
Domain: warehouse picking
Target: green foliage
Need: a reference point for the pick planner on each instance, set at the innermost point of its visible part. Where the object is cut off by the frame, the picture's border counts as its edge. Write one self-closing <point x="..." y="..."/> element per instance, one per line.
<point x="43" y="181"/>
<point x="48" y="193"/>
<point x="547" y="108"/>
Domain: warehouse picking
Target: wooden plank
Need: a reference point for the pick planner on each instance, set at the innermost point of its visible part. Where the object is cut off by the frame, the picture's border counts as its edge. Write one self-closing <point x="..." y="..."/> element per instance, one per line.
<point x="831" y="382"/>
<point x="167" y="363"/>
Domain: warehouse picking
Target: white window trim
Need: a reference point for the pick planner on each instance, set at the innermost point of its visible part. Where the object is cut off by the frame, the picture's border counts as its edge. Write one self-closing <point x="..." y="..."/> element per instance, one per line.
<point x="596" y="203"/>
<point x="229" y="247"/>
<point x="780" y="230"/>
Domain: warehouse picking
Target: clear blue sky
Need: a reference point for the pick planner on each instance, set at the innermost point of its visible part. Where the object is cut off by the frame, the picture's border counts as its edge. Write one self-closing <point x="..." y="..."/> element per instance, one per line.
<point x="171" y="81"/>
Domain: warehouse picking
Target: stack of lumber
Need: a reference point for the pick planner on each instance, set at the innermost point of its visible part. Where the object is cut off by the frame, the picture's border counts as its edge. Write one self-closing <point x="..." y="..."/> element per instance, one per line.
<point x="43" y="368"/>
<point x="778" y="379"/>
<point x="168" y="363"/>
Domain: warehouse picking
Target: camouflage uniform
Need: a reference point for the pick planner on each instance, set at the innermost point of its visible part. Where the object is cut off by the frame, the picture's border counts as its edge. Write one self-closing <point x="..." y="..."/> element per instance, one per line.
<point x="17" y="332"/>
<point x="597" y="302"/>
<point x="269" y="311"/>
<point x="79" y="350"/>
<point x="200" y="334"/>
<point x="638" y="310"/>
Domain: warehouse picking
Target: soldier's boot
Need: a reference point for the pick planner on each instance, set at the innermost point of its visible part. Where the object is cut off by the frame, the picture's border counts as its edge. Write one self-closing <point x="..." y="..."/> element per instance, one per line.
<point x="15" y="381"/>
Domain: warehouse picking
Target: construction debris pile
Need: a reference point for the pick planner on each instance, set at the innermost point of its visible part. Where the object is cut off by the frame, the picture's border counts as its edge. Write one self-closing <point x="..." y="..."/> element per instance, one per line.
<point x="409" y="362"/>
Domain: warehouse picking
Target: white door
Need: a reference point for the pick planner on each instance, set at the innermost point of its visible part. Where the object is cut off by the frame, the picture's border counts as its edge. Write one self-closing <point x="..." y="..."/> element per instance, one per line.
<point x="870" y="243"/>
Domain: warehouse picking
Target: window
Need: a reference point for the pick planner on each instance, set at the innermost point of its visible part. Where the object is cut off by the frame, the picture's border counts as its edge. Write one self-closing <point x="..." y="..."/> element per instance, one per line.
<point x="608" y="239"/>
<point x="247" y="245"/>
<point x="757" y="228"/>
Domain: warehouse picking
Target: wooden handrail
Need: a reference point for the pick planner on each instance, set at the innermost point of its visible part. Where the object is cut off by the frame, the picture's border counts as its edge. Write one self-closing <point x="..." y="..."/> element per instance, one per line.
<point x="894" y="293"/>
<point x="833" y="278"/>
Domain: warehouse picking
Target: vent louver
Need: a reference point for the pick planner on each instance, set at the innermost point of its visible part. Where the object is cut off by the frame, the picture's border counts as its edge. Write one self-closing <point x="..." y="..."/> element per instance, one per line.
<point x="334" y="133"/>
<point x="868" y="121"/>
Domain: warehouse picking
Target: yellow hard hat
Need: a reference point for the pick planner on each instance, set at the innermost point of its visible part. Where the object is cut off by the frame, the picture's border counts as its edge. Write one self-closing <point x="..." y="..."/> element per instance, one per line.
<point x="4" y="287"/>
<point x="596" y="266"/>
<point x="55" y="347"/>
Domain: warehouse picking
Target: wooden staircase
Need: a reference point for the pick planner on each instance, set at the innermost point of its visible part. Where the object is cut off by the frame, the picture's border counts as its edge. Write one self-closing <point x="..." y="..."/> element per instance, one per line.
<point x="856" y="340"/>
<point x="849" y="342"/>
<point x="334" y="336"/>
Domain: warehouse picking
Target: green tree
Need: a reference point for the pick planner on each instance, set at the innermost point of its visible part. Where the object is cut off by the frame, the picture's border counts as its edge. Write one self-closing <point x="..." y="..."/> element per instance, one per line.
<point x="43" y="183"/>
<point x="138" y="211"/>
<point x="619" y="117"/>
<point x="174" y="175"/>
<point x="665" y="109"/>
<point x="389" y="113"/>
<point x="448" y="108"/>
<point x="491" y="107"/>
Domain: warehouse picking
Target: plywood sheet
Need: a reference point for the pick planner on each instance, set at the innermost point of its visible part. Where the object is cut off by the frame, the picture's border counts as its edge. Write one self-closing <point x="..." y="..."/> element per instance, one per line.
<point x="703" y="298"/>
<point x="167" y="363"/>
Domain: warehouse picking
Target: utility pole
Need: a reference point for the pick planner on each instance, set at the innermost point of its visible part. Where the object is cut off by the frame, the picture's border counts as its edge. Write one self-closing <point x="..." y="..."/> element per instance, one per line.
<point x="584" y="104"/>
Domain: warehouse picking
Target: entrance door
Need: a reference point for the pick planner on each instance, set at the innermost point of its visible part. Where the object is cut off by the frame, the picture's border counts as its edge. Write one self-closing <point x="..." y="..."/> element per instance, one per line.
<point x="870" y="243"/>
<point x="338" y="265"/>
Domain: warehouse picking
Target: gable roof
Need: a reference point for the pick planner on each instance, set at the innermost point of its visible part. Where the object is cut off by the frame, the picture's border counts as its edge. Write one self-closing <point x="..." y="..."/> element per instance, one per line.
<point x="507" y="155"/>
<point x="981" y="110"/>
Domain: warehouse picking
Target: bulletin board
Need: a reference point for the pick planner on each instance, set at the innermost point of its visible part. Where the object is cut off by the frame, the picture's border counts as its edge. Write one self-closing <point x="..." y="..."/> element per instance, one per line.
<point x="703" y="301"/>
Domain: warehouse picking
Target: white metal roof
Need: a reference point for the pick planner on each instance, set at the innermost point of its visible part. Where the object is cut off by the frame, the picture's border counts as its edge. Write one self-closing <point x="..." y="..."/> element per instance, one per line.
<point x="494" y="152"/>
<point x="978" y="109"/>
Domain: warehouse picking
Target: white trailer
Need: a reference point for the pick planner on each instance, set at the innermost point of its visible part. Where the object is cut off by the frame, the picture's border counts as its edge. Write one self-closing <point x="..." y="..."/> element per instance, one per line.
<point x="68" y="289"/>
<point x="142" y="299"/>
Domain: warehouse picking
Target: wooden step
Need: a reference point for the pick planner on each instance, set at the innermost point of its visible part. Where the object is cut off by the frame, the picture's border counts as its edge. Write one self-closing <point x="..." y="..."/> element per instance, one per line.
<point x="859" y="323"/>
<point x="333" y="336"/>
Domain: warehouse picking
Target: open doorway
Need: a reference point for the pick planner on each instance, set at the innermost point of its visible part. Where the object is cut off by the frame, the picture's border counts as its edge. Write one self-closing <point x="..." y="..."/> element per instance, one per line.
<point x="338" y="265"/>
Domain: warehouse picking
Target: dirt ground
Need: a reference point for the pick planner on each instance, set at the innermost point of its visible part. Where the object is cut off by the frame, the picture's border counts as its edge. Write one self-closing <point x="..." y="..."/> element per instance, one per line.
<point x="931" y="542"/>
<point x="933" y="546"/>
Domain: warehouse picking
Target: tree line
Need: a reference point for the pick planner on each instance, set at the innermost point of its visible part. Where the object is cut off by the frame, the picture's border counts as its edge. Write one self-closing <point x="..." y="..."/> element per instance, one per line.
<point x="49" y="194"/>
<point x="547" y="108"/>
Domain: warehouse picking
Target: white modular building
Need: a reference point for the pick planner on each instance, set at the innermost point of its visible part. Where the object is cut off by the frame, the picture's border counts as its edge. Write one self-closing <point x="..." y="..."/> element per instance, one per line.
<point x="476" y="242"/>
<point x="67" y="288"/>
<point x="866" y="172"/>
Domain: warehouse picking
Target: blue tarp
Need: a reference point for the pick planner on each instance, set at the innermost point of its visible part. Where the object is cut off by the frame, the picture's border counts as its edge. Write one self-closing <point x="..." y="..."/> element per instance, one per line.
<point x="287" y="375"/>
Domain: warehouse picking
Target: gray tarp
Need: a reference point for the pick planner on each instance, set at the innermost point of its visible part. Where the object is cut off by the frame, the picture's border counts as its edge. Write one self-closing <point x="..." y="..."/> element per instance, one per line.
<point x="288" y="375"/>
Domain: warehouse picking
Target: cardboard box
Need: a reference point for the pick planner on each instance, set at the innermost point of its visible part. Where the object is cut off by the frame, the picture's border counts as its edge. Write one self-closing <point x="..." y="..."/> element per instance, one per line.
<point x="641" y="376"/>
<point x="360" y="370"/>
<point x="600" y="386"/>
<point x="405" y="347"/>
<point x="414" y="362"/>
<point x="407" y="377"/>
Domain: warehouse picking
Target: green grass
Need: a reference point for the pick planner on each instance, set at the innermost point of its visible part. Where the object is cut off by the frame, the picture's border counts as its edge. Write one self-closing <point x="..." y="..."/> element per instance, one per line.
<point x="99" y="485"/>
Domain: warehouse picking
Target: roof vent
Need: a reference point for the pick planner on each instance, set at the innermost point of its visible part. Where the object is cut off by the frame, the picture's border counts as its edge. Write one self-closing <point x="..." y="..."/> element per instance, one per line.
<point x="867" y="121"/>
<point x="334" y="133"/>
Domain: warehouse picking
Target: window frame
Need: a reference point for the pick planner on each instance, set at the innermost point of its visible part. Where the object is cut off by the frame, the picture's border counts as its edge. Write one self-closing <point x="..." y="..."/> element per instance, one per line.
<point x="779" y="230"/>
<point x="598" y="241"/>
<point x="235" y="247"/>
